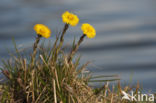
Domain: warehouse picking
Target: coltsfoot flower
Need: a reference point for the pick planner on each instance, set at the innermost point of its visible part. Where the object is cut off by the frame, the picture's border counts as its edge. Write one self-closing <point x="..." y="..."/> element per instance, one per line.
<point x="42" y="30"/>
<point x="88" y="30"/>
<point x="70" y="18"/>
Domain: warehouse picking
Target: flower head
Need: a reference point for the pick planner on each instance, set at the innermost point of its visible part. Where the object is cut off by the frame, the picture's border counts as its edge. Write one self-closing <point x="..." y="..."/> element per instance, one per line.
<point x="70" y="18"/>
<point x="42" y="30"/>
<point x="88" y="30"/>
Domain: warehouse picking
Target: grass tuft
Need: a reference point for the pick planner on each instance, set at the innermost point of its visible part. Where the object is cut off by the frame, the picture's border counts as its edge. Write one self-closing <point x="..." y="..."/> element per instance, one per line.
<point x="51" y="76"/>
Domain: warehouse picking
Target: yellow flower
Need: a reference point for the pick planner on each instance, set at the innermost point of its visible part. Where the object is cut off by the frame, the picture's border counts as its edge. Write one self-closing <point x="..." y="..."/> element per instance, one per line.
<point x="42" y="30"/>
<point x="88" y="30"/>
<point x="70" y="18"/>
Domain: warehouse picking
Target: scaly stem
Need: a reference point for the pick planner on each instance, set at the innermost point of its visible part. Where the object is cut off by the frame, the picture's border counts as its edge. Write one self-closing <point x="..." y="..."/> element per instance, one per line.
<point x="35" y="50"/>
<point x="6" y="73"/>
<point x="62" y="35"/>
<point x="74" y="50"/>
<point x="66" y="26"/>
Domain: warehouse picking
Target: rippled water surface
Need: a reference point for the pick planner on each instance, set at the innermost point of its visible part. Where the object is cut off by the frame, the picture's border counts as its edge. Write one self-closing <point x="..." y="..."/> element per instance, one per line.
<point x="126" y="33"/>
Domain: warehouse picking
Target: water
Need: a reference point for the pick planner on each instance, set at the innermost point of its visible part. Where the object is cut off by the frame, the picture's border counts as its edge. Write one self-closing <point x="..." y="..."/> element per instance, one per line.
<point x="126" y="33"/>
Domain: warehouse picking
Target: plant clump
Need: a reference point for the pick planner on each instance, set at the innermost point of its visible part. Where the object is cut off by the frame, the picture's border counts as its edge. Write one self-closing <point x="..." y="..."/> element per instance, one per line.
<point x="52" y="76"/>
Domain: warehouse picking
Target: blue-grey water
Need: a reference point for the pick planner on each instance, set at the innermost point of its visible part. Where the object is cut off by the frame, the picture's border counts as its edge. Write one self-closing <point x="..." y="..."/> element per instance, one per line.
<point x="126" y="33"/>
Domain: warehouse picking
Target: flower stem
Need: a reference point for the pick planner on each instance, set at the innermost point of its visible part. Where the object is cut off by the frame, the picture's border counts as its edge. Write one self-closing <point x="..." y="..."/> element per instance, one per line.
<point x="66" y="26"/>
<point x="62" y="35"/>
<point x="35" y="50"/>
<point x="74" y="50"/>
